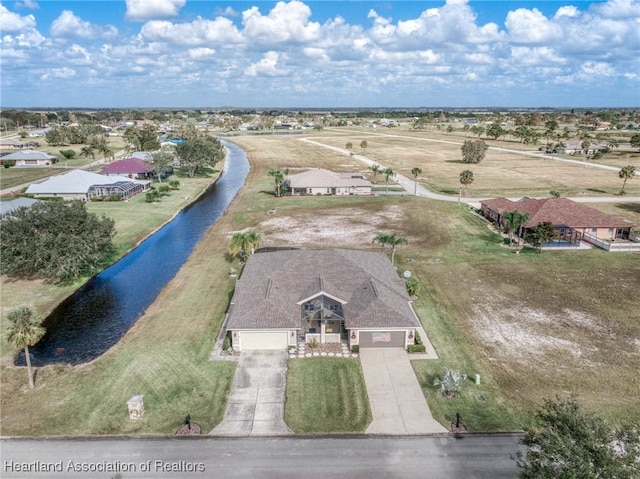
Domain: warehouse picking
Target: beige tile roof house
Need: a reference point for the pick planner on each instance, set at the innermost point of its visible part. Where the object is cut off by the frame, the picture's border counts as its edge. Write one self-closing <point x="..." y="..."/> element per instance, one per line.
<point x="573" y="221"/>
<point x="284" y="297"/>
<point x="318" y="181"/>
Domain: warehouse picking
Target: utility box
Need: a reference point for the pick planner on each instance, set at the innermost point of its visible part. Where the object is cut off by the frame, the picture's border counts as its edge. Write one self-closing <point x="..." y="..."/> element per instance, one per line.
<point x="135" y="404"/>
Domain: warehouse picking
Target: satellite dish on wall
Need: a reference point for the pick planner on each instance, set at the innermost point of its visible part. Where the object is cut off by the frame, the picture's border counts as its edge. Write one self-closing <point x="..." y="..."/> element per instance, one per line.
<point x="407" y="274"/>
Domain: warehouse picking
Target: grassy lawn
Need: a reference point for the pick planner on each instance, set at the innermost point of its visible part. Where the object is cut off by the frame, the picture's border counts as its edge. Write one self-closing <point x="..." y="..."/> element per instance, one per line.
<point x="11" y="177"/>
<point x="326" y="395"/>
<point x="164" y="357"/>
<point x="532" y="325"/>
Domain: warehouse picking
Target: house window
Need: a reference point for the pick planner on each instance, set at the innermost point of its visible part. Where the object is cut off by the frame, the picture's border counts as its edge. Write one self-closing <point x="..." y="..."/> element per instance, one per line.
<point x="594" y="231"/>
<point x="328" y="190"/>
<point x="610" y="231"/>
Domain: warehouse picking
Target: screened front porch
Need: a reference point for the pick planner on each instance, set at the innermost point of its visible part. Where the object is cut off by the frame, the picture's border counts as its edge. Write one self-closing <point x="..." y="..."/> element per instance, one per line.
<point x="322" y="321"/>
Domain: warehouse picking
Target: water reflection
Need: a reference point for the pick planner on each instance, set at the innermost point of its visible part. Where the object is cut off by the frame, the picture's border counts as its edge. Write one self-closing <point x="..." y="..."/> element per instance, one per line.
<point x="97" y="316"/>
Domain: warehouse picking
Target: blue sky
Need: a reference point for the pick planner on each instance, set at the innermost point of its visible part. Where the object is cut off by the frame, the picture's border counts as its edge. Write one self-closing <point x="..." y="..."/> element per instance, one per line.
<point x="199" y="53"/>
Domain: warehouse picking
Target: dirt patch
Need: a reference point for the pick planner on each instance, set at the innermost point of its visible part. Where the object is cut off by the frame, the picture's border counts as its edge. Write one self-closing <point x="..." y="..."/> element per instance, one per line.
<point x="344" y="227"/>
<point x="536" y="337"/>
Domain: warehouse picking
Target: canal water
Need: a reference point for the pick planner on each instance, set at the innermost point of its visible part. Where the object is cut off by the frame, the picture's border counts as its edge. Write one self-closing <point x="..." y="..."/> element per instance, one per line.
<point x="96" y="316"/>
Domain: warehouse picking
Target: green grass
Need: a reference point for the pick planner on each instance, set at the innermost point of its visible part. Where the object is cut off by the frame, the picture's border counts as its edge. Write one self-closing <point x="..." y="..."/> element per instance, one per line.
<point x="12" y="177"/>
<point x="326" y="395"/>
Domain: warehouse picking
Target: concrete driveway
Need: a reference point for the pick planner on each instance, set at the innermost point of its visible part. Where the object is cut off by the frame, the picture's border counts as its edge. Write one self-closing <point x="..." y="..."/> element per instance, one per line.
<point x="397" y="403"/>
<point x="256" y="402"/>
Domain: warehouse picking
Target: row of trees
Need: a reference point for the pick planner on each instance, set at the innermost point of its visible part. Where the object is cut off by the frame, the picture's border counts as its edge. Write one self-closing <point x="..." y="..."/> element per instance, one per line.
<point x="391" y="239"/>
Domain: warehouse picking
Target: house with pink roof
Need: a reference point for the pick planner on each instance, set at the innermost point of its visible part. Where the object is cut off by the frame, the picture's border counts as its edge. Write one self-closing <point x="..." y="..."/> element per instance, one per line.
<point x="130" y="167"/>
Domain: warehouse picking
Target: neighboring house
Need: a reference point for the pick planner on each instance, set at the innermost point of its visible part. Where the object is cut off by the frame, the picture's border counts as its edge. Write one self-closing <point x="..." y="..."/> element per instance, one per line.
<point x="21" y="202"/>
<point x="318" y="181"/>
<point x="575" y="147"/>
<point x="573" y="221"/>
<point x="30" y="158"/>
<point x="142" y="155"/>
<point x="129" y="167"/>
<point x="284" y="297"/>
<point x="84" y="185"/>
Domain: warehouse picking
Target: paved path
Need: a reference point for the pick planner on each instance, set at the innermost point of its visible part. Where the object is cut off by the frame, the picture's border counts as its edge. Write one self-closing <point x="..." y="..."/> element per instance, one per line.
<point x="397" y="403"/>
<point x="256" y="402"/>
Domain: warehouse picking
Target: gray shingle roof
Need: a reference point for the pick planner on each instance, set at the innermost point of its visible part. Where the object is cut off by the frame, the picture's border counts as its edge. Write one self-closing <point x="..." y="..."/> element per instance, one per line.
<point x="272" y="283"/>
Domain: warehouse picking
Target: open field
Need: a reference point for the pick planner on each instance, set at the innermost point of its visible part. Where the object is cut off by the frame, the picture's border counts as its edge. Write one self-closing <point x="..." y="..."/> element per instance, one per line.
<point x="503" y="172"/>
<point x="533" y="325"/>
<point x="326" y="395"/>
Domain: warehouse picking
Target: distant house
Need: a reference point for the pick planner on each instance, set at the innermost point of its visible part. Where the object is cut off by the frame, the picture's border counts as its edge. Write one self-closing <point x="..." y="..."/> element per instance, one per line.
<point x="572" y="221"/>
<point x="30" y="158"/>
<point x="84" y="185"/>
<point x="576" y="147"/>
<point x="286" y="297"/>
<point x="129" y="167"/>
<point x="318" y="181"/>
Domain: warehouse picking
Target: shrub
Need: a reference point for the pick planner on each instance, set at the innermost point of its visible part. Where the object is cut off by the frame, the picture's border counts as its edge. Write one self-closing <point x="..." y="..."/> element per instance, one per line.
<point x="226" y="343"/>
<point x="412" y="286"/>
<point x="313" y="344"/>
<point x="450" y="382"/>
<point x="114" y="197"/>
<point x="355" y="348"/>
<point x="418" y="339"/>
<point x="416" y="348"/>
<point x="164" y="190"/>
<point x="152" y="196"/>
<point x="174" y="184"/>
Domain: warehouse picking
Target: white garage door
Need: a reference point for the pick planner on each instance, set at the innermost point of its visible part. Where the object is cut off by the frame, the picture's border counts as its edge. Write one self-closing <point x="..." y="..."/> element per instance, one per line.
<point x="263" y="340"/>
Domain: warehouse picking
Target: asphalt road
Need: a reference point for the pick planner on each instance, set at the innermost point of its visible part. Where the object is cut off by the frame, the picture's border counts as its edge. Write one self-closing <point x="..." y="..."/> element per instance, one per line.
<point x="426" y="457"/>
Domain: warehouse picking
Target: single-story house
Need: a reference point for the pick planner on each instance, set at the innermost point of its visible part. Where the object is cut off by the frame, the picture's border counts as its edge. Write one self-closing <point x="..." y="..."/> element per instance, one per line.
<point x="286" y="297"/>
<point x="573" y="221"/>
<point x="318" y="181"/>
<point x="129" y="167"/>
<point x="84" y="185"/>
<point x="30" y="158"/>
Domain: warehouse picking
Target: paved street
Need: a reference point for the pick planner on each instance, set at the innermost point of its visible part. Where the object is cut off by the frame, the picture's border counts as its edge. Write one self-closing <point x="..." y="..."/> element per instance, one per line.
<point x="469" y="457"/>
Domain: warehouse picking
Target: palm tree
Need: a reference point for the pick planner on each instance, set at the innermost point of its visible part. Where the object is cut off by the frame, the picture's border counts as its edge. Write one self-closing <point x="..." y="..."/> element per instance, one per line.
<point x="24" y="330"/>
<point x="244" y="244"/>
<point x="415" y="172"/>
<point x="387" y="172"/>
<point x="626" y="173"/>
<point x="395" y="241"/>
<point x="382" y="239"/>
<point x="86" y="152"/>
<point x="514" y="221"/>
<point x="376" y="168"/>
<point x="278" y="176"/>
<point x="466" y="178"/>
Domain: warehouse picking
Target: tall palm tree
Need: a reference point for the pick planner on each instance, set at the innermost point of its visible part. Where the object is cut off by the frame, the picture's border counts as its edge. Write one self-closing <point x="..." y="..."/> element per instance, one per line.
<point x="382" y="239"/>
<point x="24" y="330"/>
<point x="278" y="177"/>
<point x="466" y="178"/>
<point x="395" y="241"/>
<point x="510" y="219"/>
<point x="415" y="172"/>
<point x="376" y="168"/>
<point x="626" y="173"/>
<point x="86" y="152"/>
<point x="387" y="172"/>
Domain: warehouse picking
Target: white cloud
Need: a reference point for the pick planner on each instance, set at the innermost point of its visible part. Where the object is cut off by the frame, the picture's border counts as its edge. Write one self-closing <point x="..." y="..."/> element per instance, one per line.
<point x="197" y="32"/>
<point x="69" y="25"/>
<point x="201" y="53"/>
<point x="618" y="9"/>
<point x="63" y="72"/>
<point x="267" y="66"/>
<point x="531" y="26"/>
<point x="141" y="10"/>
<point x="12" y="22"/>
<point x="285" y="23"/>
<point x="568" y="11"/>
<point x="29" y="4"/>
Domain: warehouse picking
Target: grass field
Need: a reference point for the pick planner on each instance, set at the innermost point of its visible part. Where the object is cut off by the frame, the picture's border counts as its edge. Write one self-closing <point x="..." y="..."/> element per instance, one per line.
<point x="532" y="325"/>
<point x="326" y="395"/>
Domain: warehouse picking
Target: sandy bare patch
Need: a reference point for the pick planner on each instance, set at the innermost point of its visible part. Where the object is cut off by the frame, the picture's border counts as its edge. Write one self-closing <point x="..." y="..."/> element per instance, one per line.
<point x="533" y="336"/>
<point x="347" y="227"/>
